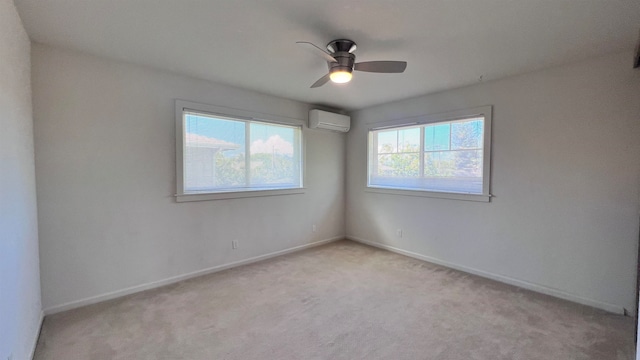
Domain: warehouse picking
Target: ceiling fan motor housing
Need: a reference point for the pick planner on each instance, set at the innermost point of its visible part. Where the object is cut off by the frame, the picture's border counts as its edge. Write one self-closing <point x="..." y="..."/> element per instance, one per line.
<point x="342" y="50"/>
<point x="344" y="62"/>
<point x="341" y="45"/>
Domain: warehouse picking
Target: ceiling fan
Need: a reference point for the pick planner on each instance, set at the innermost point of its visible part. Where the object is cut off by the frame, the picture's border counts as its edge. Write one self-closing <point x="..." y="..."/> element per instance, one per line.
<point x="341" y="62"/>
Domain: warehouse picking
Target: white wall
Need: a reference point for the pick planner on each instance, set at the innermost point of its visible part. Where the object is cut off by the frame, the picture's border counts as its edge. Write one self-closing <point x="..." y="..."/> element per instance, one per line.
<point x="566" y="170"/>
<point x="105" y="159"/>
<point x="20" y="310"/>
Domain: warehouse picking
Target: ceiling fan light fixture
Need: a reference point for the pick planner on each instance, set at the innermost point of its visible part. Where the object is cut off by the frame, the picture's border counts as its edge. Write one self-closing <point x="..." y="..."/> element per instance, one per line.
<point x="340" y="76"/>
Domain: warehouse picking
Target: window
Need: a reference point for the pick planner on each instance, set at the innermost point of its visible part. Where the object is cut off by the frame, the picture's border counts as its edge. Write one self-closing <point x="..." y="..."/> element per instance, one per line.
<point x="445" y="155"/>
<point x="227" y="153"/>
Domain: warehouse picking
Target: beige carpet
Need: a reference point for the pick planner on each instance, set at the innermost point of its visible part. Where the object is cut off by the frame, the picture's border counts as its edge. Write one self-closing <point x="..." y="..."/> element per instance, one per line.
<point x="339" y="301"/>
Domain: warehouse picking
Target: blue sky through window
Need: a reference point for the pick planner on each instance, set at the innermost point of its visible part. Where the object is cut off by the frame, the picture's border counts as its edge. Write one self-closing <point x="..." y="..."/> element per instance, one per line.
<point x="436" y="137"/>
<point x="265" y="138"/>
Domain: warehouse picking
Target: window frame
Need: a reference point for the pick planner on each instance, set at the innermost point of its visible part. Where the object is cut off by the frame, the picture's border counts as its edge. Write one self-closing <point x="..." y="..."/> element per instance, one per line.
<point x="182" y="106"/>
<point x="421" y="120"/>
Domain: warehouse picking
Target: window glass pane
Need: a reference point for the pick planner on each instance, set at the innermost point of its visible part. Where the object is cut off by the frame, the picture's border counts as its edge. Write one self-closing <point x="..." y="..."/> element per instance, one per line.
<point x="214" y="153"/>
<point x="223" y="154"/>
<point x="450" y="159"/>
<point x="439" y="164"/>
<point x="387" y="141"/>
<point x="409" y="140"/>
<point x="453" y="171"/>
<point x="468" y="163"/>
<point x="273" y="155"/>
<point x="466" y="134"/>
<point x="399" y="165"/>
<point x="436" y="137"/>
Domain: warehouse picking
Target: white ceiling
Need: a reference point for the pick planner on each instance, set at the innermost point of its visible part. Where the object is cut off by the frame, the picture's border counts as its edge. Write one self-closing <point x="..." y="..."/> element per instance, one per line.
<point x="251" y="43"/>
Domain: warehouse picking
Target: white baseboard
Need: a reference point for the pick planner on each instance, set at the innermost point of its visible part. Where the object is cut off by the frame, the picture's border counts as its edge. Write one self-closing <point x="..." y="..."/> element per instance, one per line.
<point x="155" y="284"/>
<point x="501" y="278"/>
<point x="36" y="336"/>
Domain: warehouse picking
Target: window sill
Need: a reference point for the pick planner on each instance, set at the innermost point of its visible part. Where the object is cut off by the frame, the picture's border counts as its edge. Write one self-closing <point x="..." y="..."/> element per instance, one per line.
<point x="430" y="194"/>
<point x="237" y="194"/>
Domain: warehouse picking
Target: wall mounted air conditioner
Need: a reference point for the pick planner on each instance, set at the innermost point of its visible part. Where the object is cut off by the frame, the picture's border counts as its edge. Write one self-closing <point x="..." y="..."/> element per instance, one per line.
<point x="319" y="119"/>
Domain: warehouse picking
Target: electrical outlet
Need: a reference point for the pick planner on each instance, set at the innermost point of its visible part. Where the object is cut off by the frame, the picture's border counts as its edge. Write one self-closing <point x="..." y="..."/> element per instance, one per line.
<point x="234" y="244"/>
<point x="399" y="233"/>
<point x="313" y="228"/>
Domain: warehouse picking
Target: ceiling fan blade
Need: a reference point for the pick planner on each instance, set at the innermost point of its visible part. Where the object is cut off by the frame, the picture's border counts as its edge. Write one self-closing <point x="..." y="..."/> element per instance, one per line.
<point x="381" y="66"/>
<point x="318" y="51"/>
<point x="323" y="80"/>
